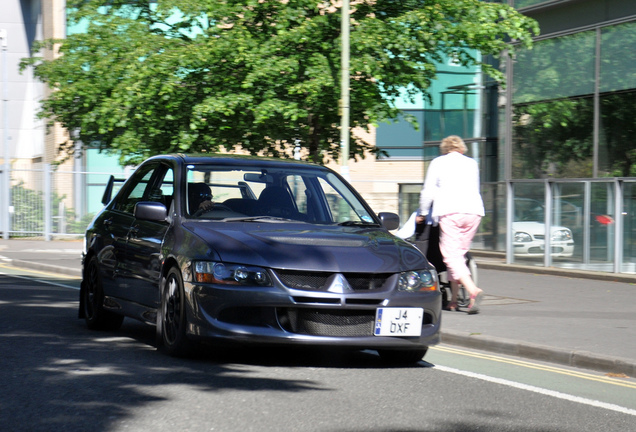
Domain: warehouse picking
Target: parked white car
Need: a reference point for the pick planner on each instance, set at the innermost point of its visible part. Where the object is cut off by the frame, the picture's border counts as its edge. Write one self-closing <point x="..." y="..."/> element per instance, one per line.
<point x="529" y="232"/>
<point x="529" y="240"/>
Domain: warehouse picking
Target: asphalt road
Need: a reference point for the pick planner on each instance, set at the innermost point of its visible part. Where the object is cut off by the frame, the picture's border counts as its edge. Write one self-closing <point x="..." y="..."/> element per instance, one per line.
<point x="575" y="318"/>
<point x="57" y="375"/>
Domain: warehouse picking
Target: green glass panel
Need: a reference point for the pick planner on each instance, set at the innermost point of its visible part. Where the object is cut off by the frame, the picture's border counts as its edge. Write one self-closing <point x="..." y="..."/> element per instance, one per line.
<point x="518" y="4"/>
<point x="617" y="152"/>
<point x="553" y="139"/>
<point x="602" y="223"/>
<point x="629" y="227"/>
<point x="618" y="57"/>
<point x="401" y="139"/>
<point x="555" y="68"/>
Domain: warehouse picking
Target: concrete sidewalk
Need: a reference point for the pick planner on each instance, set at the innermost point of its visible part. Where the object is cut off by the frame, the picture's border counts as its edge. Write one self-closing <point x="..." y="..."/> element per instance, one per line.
<point x="576" y="318"/>
<point x="60" y="256"/>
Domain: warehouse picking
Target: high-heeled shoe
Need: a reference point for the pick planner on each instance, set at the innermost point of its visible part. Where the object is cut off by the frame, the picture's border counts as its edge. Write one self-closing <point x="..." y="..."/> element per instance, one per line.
<point x="475" y="301"/>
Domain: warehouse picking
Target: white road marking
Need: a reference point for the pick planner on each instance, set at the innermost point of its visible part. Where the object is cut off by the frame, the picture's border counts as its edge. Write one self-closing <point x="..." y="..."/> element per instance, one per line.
<point x="35" y="279"/>
<point x="540" y="390"/>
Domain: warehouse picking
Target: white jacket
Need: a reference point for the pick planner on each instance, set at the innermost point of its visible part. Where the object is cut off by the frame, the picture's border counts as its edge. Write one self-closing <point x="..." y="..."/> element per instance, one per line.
<point x="452" y="186"/>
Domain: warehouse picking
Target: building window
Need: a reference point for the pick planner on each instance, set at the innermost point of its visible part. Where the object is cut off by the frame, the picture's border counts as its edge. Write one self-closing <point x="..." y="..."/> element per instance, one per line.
<point x="409" y="200"/>
<point x="617" y="102"/>
<point x="452" y="110"/>
<point x="566" y="100"/>
<point x="553" y="108"/>
<point x="400" y="139"/>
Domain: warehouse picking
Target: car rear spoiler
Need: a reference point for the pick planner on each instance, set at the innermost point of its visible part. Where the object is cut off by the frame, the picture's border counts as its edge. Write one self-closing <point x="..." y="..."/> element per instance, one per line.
<point x="108" y="192"/>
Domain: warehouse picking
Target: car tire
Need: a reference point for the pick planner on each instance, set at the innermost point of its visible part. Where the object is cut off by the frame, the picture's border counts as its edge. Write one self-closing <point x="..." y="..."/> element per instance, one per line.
<point x="173" y="316"/>
<point x="97" y="318"/>
<point x="402" y="357"/>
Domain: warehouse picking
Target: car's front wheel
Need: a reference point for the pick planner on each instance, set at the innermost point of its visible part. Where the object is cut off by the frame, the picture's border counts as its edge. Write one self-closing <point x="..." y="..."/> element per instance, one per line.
<point x="97" y="318"/>
<point x="402" y="357"/>
<point x="173" y="316"/>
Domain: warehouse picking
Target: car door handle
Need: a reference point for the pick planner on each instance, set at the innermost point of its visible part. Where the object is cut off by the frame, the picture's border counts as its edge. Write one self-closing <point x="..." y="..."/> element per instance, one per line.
<point x="108" y="221"/>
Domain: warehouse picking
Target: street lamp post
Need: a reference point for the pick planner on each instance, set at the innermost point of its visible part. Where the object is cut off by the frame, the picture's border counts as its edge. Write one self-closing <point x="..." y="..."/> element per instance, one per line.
<point x="344" y="92"/>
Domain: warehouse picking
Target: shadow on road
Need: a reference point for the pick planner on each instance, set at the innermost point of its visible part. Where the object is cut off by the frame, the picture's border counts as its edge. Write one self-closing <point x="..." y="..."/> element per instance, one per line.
<point x="58" y="375"/>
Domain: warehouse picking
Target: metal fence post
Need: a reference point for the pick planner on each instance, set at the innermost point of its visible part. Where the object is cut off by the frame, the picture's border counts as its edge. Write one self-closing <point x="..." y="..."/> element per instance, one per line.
<point x="510" y="196"/>
<point x="618" y="225"/>
<point x="547" y="257"/>
<point x="47" y="201"/>
<point x="6" y="172"/>
<point x="5" y="187"/>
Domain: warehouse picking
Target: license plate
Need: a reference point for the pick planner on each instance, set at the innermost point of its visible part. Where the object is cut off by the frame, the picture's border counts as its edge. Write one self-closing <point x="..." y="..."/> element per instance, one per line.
<point x="398" y="321"/>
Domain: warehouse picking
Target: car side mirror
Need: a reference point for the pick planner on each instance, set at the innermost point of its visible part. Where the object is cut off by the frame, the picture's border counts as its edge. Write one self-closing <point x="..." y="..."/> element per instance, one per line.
<point x="151" y="211"/>
<point x="390" y="221"/>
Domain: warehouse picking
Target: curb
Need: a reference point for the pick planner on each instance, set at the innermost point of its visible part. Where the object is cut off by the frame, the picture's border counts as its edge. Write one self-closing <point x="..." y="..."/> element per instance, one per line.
<point x="552" y="271"/>
<point x="578" y="359"/>
<point x="495" y="261"/>
<point x="45" y="267"/>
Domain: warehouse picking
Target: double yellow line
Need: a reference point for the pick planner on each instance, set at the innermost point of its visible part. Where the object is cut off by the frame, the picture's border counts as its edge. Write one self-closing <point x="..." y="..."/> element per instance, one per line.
<point x="576" y="374"/>
<point x="38" y="275"/>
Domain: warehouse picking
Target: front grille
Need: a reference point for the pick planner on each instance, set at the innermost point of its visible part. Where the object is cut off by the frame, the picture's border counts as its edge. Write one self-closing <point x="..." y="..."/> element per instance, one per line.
<point x="335" y="323"/>
<point x="538" y="250"/>
<point x="308" y="281"/>
<point x="324" y="322"/>
<point x="320" y="281"/>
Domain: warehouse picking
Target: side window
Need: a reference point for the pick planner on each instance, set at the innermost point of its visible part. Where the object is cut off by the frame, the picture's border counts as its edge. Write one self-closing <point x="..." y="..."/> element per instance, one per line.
<point x="299" y="192"/>
<point x="343" y="205"/>
<point x="135" y="191"/>
<point x="339" y="212"/>
<point x="164" y="191"/>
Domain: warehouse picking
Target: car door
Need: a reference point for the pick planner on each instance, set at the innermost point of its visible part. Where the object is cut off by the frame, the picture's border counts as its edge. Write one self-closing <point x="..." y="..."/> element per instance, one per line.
<point x="116" y="225"/>
<point x="144" y="255"/>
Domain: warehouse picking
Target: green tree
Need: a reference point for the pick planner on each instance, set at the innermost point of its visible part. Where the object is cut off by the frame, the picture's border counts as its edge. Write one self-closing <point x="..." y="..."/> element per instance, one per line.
<point x="150" y="77"/>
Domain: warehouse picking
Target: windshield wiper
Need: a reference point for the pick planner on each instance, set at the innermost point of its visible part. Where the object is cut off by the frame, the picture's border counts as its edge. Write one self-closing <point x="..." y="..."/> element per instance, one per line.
<point x="258" y="218"/>
<point x="357" y="223"/>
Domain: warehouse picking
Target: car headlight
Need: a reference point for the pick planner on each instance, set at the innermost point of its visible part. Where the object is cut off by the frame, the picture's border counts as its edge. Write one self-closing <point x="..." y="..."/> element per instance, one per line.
<point x="522" y="237"/>
<point x="418" y="281"/>
<point x="561" y="235"/>
<point x="230" y="274"/>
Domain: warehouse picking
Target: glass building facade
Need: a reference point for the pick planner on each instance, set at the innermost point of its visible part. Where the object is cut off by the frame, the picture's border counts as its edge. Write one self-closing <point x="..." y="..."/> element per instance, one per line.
<point x="555" y="146"/>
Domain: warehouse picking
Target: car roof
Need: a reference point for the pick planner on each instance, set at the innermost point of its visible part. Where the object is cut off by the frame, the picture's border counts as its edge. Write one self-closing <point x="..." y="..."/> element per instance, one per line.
<point x="225" y="159"/>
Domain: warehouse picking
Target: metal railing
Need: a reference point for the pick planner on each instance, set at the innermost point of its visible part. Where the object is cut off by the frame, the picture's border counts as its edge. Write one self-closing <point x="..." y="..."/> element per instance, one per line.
<point x="49" y="203"/>
<point x="586" y="224"/>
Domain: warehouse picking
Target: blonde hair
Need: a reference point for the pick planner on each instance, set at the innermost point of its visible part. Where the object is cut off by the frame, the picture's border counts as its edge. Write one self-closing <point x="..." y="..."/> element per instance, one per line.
<point x="452" y="143"/>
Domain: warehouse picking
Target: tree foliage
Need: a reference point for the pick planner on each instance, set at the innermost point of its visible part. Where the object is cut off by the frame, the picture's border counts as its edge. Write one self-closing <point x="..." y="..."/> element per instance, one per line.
<point x="149" y="77"/>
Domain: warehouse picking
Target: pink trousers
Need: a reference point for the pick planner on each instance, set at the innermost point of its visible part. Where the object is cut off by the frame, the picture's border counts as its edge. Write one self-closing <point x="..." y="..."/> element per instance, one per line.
<point x="457" y="232"/>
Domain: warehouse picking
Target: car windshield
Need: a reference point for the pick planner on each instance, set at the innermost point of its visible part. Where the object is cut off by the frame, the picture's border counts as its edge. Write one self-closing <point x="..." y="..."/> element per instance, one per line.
<point x="528" y="210"/>
<point x="273" y="194"/>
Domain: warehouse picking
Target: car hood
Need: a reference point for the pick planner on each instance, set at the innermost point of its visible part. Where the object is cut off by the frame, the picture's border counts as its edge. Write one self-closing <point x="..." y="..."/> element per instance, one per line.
<point x="308" y="247"/>
<point x="535" y="228"/>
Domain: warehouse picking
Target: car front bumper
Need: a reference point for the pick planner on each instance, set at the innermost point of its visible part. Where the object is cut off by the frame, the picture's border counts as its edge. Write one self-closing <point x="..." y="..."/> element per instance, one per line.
<point x="280" y="316"/>
<point x="537" y="249"/>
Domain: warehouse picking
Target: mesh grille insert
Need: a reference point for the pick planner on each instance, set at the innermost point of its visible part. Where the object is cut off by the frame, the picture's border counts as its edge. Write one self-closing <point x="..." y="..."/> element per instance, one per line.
<point x="322" y="322"/>
<point x="309" y="281"/>
<point x="365" y="281"/>
<point x="319" y="281"/>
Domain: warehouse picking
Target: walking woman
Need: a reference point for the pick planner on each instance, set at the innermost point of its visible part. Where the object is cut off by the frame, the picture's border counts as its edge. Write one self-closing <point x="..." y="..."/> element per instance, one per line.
<point x="452" y="188"/>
